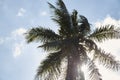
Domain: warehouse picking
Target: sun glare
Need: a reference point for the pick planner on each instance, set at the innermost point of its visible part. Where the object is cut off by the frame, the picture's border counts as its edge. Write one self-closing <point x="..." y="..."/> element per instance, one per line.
<point x="83" y="68"/>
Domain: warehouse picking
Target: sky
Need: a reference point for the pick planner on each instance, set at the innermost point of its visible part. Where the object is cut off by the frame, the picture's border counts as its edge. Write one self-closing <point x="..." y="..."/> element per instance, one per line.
<point x="19" y="60"/>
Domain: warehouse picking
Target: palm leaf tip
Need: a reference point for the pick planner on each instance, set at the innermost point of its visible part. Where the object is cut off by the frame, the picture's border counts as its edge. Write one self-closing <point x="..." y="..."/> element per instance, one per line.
<point x="30" y="36"/>
<point x="61" y="4"/>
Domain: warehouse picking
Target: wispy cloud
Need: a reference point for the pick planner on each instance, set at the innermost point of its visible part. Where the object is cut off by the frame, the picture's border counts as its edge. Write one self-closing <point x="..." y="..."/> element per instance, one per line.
<point x="17" y="50"/>
<point x="21" y="12"/>
<point x="19" y="44"/>
<point x="43" y="13"/>
<point x="19" y="32"/>
<point x="16" y="41"/>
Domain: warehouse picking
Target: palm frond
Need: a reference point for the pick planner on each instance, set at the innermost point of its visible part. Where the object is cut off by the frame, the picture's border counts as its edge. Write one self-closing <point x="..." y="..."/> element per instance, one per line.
<point x="74" y="17"/>
<point x="51" y="46"/>
<point x="83" y="25"/>
<point x="93" y="71"/>
<point x="51" y="66"/>
<point x="106" y="59"/>
<point x="82" y="54"/>
<point x="41" y="34"/>
<point x="62" y="17"/>
<point x="104" y="33"/>
<point x="90" y="44"/>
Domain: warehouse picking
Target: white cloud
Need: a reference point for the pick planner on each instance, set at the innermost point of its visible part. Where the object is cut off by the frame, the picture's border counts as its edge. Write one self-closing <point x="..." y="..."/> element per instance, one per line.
<point x="110" y="46"/>
<point x="21" y="12"/>
<point x="44" y="13"/>
<point x="108" y="20"/>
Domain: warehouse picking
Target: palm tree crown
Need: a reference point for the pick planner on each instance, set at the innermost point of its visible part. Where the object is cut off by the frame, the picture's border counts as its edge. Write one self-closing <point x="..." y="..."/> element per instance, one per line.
<point x="69" y="48"/>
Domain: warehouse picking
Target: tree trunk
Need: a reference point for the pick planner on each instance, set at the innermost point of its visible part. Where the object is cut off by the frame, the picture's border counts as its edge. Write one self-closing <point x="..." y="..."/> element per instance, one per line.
<point x="72" y="67"/>
<point x="72" y="72"/>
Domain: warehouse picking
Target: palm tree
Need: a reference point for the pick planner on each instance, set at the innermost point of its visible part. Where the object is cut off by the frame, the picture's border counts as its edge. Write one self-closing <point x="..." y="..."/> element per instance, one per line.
<point x="70" y="48"/>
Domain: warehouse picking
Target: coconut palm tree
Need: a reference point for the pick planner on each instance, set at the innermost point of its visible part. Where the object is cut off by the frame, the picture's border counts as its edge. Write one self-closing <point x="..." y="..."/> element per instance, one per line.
<point x="70" y="48"/>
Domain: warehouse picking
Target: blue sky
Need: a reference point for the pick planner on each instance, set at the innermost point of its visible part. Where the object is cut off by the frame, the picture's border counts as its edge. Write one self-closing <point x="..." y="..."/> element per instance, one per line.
<point x="19" y="60"/>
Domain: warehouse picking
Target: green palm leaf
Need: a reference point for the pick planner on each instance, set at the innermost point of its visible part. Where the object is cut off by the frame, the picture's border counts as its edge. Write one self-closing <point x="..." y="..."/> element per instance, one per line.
<point x="51" y="65"/>
<point x="104" y="33"/>
<point x="84" y="26"/>
<point x="90" y="44"/>
<point x="41" y="34"/>
<point x="93" y="71"/>
<point x="51" y="46"/>
<point x="62" y="17"/>
<point x="106" y="59"/>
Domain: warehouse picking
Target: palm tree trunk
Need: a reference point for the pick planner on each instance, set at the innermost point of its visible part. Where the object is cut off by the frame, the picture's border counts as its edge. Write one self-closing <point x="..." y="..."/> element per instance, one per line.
<point x="72" y="67"/>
